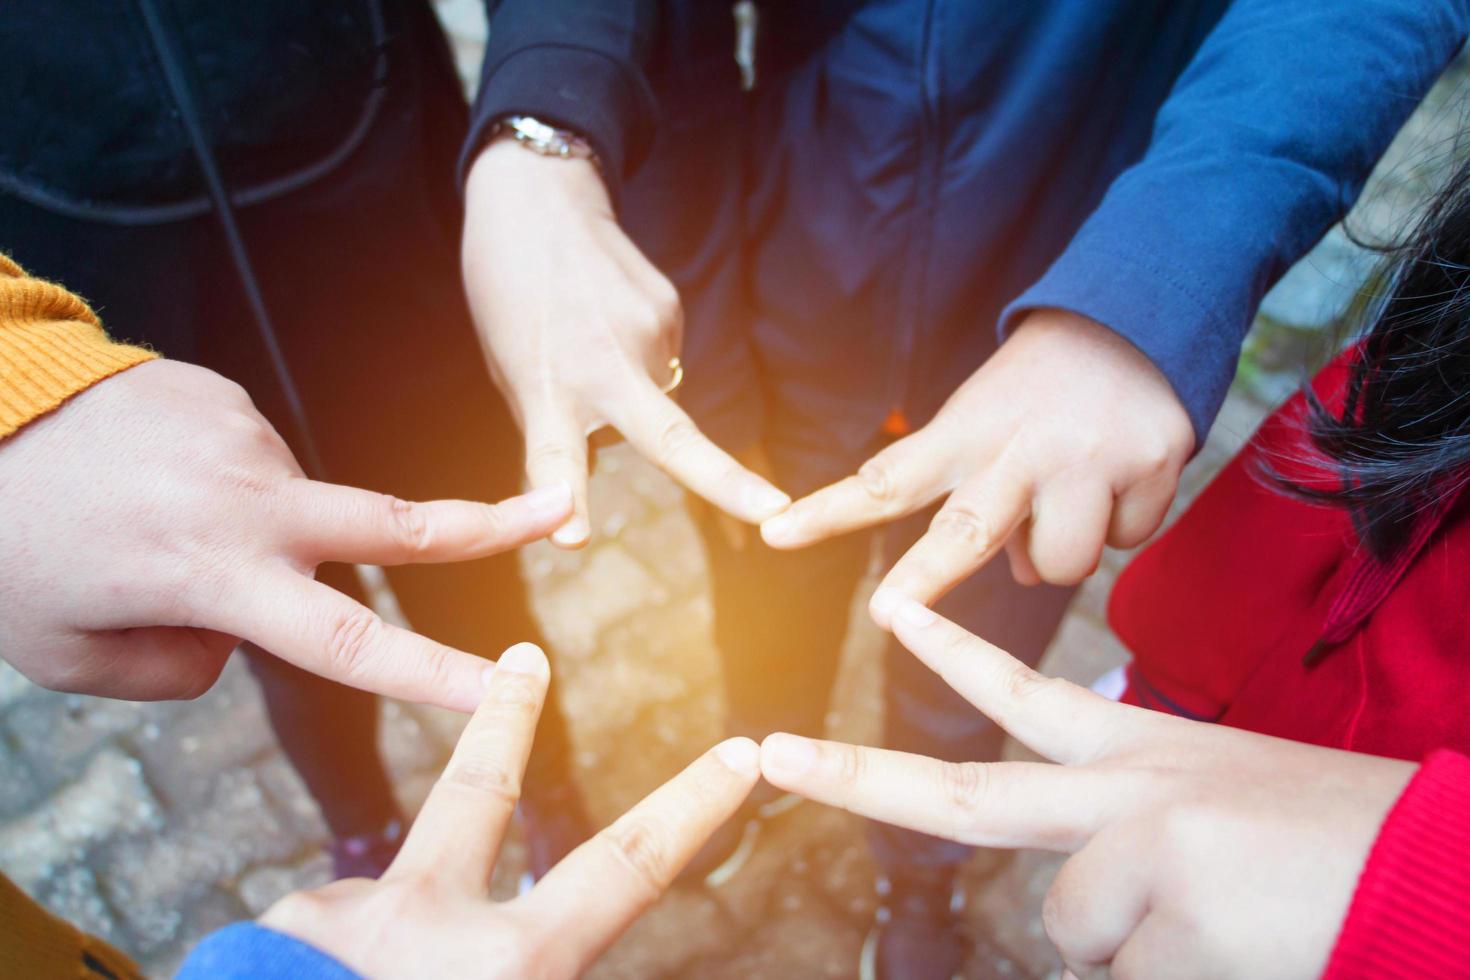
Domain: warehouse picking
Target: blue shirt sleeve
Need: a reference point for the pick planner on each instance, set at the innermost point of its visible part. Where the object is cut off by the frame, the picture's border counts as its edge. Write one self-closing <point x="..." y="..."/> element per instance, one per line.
<point x="246" y="951"/>
<point x="1265" y="140"/>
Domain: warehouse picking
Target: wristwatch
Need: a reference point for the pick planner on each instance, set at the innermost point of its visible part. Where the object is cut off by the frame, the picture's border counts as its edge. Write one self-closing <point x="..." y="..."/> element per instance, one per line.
<point x="545" y="139"/>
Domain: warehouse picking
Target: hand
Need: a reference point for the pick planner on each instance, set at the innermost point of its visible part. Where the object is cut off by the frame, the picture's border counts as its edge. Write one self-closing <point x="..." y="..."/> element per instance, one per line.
<point x="156" y="518"/>
<point x="430" y="914"/>
<point x="579" y="329"/>
<point x="1200" y="850"/>
<point x="1067" y="437"/>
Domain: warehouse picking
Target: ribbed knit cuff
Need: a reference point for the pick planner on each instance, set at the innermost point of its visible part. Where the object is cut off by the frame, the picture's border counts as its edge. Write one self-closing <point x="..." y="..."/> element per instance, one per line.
<point x="36" y="943"/>
<point x="51" y="347"/>
<point x="1410" y="914"/>
<point x="248" y="951"/>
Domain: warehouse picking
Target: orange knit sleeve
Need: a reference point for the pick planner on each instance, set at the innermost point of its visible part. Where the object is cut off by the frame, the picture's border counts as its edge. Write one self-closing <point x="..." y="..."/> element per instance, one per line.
<point x="51" y="347"/>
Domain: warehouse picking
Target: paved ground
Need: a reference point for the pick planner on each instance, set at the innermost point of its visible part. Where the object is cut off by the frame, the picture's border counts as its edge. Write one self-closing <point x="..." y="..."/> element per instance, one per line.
<point x="152" y="824"/>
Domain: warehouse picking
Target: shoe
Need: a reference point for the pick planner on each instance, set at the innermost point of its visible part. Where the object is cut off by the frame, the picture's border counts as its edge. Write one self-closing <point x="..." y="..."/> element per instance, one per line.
<point x="366" y="855"/>
<point x="916" y="934"/>
<point x="556" y="824"/>
<point x="729" y="847"/>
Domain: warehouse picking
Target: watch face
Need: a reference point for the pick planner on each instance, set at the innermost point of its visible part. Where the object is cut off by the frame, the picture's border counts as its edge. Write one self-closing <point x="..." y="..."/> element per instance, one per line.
<point x="547" y="140"/>
<point x="533" y="129"/>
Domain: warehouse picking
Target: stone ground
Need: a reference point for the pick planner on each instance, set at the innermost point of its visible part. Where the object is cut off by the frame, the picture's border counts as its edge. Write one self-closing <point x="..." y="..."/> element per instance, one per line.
<point x="152" y="824"/>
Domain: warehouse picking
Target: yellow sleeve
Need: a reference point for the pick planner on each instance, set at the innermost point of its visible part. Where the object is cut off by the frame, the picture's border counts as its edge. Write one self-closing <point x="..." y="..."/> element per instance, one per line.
<point x="51" y="347"/>
<point x="36" y="943"/>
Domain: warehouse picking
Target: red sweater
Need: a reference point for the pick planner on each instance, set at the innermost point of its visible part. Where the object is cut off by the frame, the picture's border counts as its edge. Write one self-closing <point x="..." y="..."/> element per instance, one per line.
<point x="1219" y="613"/>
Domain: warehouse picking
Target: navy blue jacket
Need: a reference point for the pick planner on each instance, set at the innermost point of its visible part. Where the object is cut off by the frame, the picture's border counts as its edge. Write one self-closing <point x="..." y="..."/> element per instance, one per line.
<point x="914" y="174"/>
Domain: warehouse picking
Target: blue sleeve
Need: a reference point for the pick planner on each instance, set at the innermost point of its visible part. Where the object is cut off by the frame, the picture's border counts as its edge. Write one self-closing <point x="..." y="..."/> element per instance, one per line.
<point x="246" y="951"/>
<point x="1265" y="140"/>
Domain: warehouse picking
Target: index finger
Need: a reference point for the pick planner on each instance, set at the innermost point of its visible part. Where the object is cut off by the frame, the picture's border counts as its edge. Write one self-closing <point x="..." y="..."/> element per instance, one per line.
<point x="969" y="529"/>
<point x="457" y="835"/>
<point x="988" y="804"/>
<point x="591" y="897"/>
<point x="340" y="523"/>
<point x="659" y="429"/>
<point x="556" y="452"/>
<point x="326" y="632"/>
<point x="1049" y="715"/>
<point x="897" y="481"/>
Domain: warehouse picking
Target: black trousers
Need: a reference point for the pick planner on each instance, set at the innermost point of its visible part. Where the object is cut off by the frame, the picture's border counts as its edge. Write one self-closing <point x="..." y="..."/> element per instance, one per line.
<point x="359" y="271"/>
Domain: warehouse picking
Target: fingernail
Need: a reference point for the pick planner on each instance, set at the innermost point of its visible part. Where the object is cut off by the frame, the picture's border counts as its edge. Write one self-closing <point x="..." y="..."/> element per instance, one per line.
<point x="788" y="755"/>
<point x="914" y="614"/>
<point x="884" y="601"/>
<point x="765" y="501"/>
<point x="571" y="534"/>
<point x="524" y="658"/>
<point x="779" y="529"/>
<point x="549" y="501"/>
<point x="740" y="755"/>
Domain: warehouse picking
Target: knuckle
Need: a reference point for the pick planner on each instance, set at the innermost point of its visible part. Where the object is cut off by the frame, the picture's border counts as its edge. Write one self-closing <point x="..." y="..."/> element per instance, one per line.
<point x="1181" y="827"/>
<point x="191" y="684"/>
<point x="645" y="324"/>
<point x="956" y="644"/>
<point x="299" y="907"/>
<point x="1155" y="459"/>
<point x="199" y="582"/>
<point x="1053" y="921"/>
<point x="964" y="526"/>
<point x="642" y="845"/>
<point x="63" y="675"/>
<point x="547" y="452"/>
<point x="964" y="784"/>
<point x="354" y="634"/>
<point x="485" y="779"/>
<point x="675" y="437"/>
<point x="239" y="393"/>
<point x="1023" y="684"/>
<point x="666" y="305"/>
<point x="517" y="696"/>
<point x="1064" y="568"/>
<point x="1088" y="443"/>
<point x="244" y="424"/>
<point x="852" y="766"/>
<point x="879" y="482"/>
<point x="399" y="897"/>
<point x="250" y="480"/>
<point x="410" y="526"/>
<point x="493" y="523"/>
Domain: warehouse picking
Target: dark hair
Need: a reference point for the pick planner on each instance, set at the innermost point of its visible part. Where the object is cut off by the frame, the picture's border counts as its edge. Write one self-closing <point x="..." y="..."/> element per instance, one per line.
<point x="1401" y="440"/>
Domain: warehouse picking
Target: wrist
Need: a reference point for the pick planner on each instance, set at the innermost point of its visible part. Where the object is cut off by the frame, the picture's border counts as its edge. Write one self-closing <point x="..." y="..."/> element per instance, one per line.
<point x="506" y="171"/>
<point x="1056" y="336"/>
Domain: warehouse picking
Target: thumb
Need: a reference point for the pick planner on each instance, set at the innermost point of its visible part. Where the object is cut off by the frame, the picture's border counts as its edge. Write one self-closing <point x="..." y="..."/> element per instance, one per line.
<point x="901" y="479"/>
<point x="556" y="454"/>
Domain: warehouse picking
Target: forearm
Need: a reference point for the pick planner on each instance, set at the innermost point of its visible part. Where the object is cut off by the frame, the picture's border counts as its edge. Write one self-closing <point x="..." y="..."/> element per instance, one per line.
<point x="52" y="346"/>
<point x="1265" y="140"/>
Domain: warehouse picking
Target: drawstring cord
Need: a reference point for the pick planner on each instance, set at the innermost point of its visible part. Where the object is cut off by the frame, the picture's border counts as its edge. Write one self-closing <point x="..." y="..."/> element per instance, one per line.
<point x="311" y="458"/>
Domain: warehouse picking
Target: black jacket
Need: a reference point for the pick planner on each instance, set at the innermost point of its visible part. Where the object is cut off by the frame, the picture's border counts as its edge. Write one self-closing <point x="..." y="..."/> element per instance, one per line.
<point x="94" y="127"/>
<point x="911" y="176"/>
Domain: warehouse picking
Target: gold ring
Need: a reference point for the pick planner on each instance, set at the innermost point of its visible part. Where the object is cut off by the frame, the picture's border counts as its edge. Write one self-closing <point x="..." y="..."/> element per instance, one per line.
<point x="676" y="368"/>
